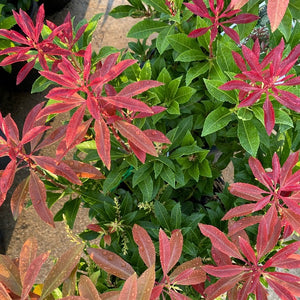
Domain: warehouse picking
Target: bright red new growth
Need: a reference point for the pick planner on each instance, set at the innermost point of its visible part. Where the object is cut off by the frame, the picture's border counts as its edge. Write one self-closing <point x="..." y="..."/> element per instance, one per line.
<point x="219" y="18"/>
<point x="265" y="78"/>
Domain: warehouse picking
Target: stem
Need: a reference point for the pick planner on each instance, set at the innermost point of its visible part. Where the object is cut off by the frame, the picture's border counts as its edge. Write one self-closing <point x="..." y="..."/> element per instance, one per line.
<point x="49" y="179"/>
<point x="119" y="139"/>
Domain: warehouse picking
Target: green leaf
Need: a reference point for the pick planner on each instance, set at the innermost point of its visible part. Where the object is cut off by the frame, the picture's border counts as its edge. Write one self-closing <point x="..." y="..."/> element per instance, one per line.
<point x="194" y="172"/>
<point x="184" y="94"/>
<point x="162" y="215"/>
<point x="220" y="95"/>
<point x="166" y="161"/>
<point x="248" y="136"/>
<point x="162" y="42"/>
<point x="8" y="22"/>
<point x="146" y="71"/>
<point x="204" y="39"/>
<point x="216" y="120"/>
<point x="186" y="150"/>
<point x="180" y="131"/>
<point x="158" y="5"/>
<point x="176" y="217"/>
<point x="294" y="6"/>
<point x="204" y="169"/>
<point x="40" y="84"/>
<point x="244" y="114"/>
<point x="174" y="108"/>
<point x="168" y="176"/>
<point x="143" y="29"/>
<point x="295" y="36"/>
<point x="121" y="11"/>
<point x="195" y="71"/>
<point x="146" y="187"/>
<point x="191" y="55"/>
<point x="181" y="42"/>
<point x="69" y="210"/>
<point x="285" y="26"/>
<point x="141" y="174"/>
<point x="173" y="87"/>
<point x="281" y="117"/>
<point x="114" y="178"/>
<point x="88" y="33"/>
<point x="158" y="166"/>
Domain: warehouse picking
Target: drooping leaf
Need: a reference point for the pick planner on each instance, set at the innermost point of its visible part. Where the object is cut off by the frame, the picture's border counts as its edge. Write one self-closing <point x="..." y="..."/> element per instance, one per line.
<point x="18" y="197"/>
<point x="37" y="192"/>
<point x="111" y="263"/>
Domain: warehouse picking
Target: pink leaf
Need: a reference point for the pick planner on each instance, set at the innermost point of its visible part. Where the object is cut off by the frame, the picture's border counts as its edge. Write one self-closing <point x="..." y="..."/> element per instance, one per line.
<point x="176" y="243"/>
<point x="242" y="223"/>
<point x="237" y="4"/>
<point x="145" y="283"/>
<point x="31" y="118"/>
<point x="236" y="84"/>
<point x="164" y="251"/>
<point x="38" y="197"/>
<point x="269" y="116"/>
<point x="224" y="271"/>
<point x="24" y="71"/>
<point x="239" y="211"/>
<point x="247" y="251"/>
<point x="111" y="263"/>
<point x="7" y="178"/>
<point x="140" y="154"/>
<point x="287" y="168"/>
<point x="129" y="290"/>
<point x="145" y="244"/>
<point x="276" y="10"/>
<point x="220" y="241"/>
<point x="259" y="172"/>
<point x="33" y="133"/>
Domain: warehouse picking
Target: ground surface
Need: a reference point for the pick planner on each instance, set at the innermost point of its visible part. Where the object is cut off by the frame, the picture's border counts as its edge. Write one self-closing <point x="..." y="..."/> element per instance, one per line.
<point x="109" y="32"/>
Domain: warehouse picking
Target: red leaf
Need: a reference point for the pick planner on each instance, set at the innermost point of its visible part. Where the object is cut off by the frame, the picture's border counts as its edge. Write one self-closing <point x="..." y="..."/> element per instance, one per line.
<point x="128" y="103"/>
<point x="111" y="263"/>
<point x="231" y="33"/>
<point x="224" y="271"/>
<point x="12" y="128"/>
<point x="57" y="108"/>
<point x="259" y="172"/>
<point x="242" y="223"/>
<point x="27" y="255"/>
<point x="136" y="136"/>
<point x="176" y="243"/>
<point x="32" y="272"/>
<point x="292" y="218"/>
<point x="102" y="139"/>
<point x="220" y="241"/>
<point x="199" y="8"/>
<point x="239" y="211"/>
<point x="38" y="197"/>
<point x="219" y="257"/>
<point x="269" y="116"/>
<point x="156" y="136"/>
<point x="14" y="36"/>
<point x="236" y="84"/>
<point x="59" y="78"/>
<point x="164" y="251"/>
<point x="145" y="244"/>
<point x="276" y="10"/>
<point x="7" y="179"/>
<point x="141" y="155"/>
<point x="292" y="261"/>
<point x="24" y="71"/>
<point x="280" y="290"/>
<point x="221" y="286"/>
<point x="73" y="125"/>
<point x="239" y="61"/>
<point x="18" y="197"/>
<point x="288" y="99"/>
<point x="87" y="62"/>
<point x="287" y="168"/>
<point x="198" y="32"/>
<point x="138" y="87"/>
<point x="246" y="191"/>
<point x="247" y="251"/>
<point x="61" y="169"/>
<point x="195" y="277"/>
<point x="84" y="170"/>
<point x="33" y="133"/>
<point x="156" y="291"/>
<point x="129" y="290"/>
<point x="31" y="118"/>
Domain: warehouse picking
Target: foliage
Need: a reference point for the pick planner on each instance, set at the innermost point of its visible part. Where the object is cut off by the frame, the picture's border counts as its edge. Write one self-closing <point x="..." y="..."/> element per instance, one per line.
<point x="151" y="131"/>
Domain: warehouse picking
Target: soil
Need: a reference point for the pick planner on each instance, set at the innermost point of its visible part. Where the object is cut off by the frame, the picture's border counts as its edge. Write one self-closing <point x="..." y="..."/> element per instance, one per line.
<point x="18" y="101"/>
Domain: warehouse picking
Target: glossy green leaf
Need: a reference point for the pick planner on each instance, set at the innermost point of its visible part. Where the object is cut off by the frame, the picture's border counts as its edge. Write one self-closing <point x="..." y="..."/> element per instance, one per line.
<point x="168" y="176"/>
<point x="162" y="215"/>
<point x="220" y="95"/>
<point x="248" y="136"/>
<point x="191" y="55"/>
<point x="181" y="42"/>
<point x="176" y="216"/>
<point x="162" y="42"/>
<point x="195" y="71"/>
<point x="144" y="28"/>
<point x="158" y="5"/>
<point x="146" y="187"/>
<point x="216" y="120"/>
